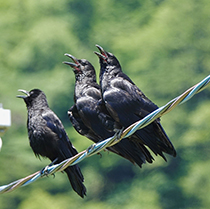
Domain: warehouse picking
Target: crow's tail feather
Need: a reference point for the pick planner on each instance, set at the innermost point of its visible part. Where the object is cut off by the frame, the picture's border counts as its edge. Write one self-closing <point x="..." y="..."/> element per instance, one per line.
<point x="76" y="179"/>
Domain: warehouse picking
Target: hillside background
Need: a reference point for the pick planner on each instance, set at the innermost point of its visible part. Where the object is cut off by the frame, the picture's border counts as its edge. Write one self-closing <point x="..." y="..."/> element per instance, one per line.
<point x="162" y="45"/>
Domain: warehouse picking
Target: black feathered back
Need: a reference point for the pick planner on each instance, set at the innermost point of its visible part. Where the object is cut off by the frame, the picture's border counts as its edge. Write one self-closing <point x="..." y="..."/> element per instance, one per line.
<point x="48" y="138"/>
<point x="127" y="104"/>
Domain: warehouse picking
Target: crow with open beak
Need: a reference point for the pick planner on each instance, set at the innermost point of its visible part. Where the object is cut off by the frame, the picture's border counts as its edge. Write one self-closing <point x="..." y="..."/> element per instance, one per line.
<point x="90" y="117"/>
<point x="48" y="138"/>
<point x="127" y="104"/>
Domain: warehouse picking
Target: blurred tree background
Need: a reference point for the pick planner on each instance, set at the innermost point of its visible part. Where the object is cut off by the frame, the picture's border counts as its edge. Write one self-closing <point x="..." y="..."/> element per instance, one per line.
<point x="163" y="45"/>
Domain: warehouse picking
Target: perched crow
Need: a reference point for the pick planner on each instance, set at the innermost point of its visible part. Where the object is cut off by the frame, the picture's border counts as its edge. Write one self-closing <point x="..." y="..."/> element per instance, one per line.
<point x="48" y="138"/>
<point x="127" y="104"/>
<point x="90" y="117"/>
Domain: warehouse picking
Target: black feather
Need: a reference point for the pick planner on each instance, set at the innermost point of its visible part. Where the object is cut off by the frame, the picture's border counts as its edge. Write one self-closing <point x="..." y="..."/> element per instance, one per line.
<point x="90" y="117"/>
<point x="127" y="104"/>
<point x="48" y="138"/>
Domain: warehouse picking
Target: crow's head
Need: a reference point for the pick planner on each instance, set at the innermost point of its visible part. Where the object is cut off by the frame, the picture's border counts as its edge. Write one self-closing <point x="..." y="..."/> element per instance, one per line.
<point x="33" y="97"/>
<point x="82" y="68"/>
<point x="106" y="58"/>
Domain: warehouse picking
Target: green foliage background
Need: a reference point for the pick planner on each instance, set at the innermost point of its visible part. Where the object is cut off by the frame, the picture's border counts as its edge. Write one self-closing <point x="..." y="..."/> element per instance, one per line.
<point x="163" y="45"/>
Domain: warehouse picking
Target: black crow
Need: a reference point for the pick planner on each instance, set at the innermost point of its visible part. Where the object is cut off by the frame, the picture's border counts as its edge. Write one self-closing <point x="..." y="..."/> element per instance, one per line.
<point x="127" y="104"/>
<point x="48" y="138"/>
<point x="90" y="117"/>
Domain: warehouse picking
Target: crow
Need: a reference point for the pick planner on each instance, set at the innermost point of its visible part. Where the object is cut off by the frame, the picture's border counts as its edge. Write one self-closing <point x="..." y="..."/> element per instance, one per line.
<point x="127" y="104"/>
<point x="90" y="117"/>
<point x="48" y="138"/>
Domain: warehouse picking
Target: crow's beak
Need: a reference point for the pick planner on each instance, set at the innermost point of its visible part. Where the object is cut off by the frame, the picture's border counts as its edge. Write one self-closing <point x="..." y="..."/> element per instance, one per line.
<point x="73" y="58"/>
<point x="102" y="54"/>
<point x="71" y="64"/>
<point x="23" y="96"/>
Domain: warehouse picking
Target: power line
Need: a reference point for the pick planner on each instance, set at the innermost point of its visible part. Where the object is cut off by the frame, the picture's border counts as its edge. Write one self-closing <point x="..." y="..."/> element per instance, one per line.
<point x="97" y="147"/>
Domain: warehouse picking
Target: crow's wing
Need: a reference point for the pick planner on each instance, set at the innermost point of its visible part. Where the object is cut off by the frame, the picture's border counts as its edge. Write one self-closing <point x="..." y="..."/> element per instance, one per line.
<point x="127" y="104"/>
<point x="64" y="149"/>
<point x="57" y="133"/>
<point x="79" y="126"/>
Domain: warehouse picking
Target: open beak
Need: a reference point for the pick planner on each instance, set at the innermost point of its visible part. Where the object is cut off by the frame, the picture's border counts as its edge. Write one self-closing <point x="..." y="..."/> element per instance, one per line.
<point x="75" y="65"/>
<point x="102" y="54"/>
<point x="71" y="64"/>
<point x="23" y="96"/>
<point x="73" y="58"/>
